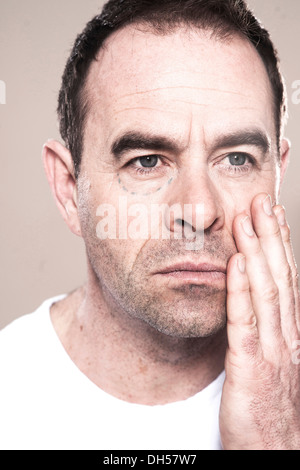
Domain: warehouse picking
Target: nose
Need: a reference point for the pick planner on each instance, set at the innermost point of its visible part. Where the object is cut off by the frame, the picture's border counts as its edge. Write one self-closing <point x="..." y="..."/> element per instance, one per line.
<point x="194" y="205"/>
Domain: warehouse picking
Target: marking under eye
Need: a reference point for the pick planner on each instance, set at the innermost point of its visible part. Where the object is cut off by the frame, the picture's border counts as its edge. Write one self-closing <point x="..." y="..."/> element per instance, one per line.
<point x="142" y="194"/>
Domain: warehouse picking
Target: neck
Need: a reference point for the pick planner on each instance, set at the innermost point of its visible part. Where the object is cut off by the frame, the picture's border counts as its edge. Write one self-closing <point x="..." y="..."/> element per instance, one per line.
<point x="129" y="359"/>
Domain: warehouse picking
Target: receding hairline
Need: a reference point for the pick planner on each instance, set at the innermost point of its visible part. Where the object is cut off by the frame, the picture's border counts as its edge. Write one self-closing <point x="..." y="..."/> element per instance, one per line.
<point x="165" y="29"/>
<point x="230" y="34"/>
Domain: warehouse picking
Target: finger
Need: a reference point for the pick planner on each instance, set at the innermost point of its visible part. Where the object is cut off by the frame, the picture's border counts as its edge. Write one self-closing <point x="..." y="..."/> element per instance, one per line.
<point x="269" y="235"/>
<point x="241" y="321"/>
<point x="263" y="290"/>
<point x="287" y="242"/>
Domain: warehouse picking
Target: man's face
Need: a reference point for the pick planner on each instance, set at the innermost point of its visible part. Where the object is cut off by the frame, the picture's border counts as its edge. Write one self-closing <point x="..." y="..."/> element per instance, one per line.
<point x="184" y="120"/>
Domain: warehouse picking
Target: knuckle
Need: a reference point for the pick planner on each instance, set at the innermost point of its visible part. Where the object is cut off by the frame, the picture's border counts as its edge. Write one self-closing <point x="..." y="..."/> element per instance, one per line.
<point x="286" y="274"/>
<point x="257" y="250"/>
<point x="244" y="289"/>
<point x="271" y="295"/>
<point x="286" y="234"/>
<point x="277" y="231"/>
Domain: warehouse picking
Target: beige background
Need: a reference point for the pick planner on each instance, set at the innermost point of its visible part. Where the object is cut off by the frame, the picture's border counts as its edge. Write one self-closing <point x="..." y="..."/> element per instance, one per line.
<point x="39" y="256"/>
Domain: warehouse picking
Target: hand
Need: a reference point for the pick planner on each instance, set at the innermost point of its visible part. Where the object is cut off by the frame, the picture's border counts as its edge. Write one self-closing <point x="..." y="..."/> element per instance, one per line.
<point x="260" y="406"/>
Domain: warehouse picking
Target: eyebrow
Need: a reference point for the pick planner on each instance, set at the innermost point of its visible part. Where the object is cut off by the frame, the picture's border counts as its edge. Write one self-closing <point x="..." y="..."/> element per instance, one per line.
<point x="251" y="137"/>
<point x="137" y="140"/>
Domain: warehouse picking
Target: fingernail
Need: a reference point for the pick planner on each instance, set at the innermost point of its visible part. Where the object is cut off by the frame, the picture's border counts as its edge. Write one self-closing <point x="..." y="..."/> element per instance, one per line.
<point x="281" y="217"/>
<point x="267" y="205"/>
<point x="242" y="264"/>
<point x="247" y="226"/>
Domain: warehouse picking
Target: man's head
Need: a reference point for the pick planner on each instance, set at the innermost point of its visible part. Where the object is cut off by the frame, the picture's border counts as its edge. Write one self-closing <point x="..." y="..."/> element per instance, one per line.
<point x="167" y="104"/>
<point x="220" y="18"/>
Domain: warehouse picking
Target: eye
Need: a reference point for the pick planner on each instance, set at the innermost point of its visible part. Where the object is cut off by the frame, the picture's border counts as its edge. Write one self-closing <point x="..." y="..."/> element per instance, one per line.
<point x="238" y="159"/>
<point x="149" y="161"/>
<point x="237" y="164"/>
<point x="147" y="165"/>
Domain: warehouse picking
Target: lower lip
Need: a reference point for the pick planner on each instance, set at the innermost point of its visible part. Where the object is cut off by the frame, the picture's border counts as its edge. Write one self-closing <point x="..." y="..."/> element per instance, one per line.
<point x="195" y="277"/>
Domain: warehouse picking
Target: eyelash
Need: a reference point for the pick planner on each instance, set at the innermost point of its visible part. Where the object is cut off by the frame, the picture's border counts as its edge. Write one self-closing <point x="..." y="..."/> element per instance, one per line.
<point x="144" y="170"/>
<point x="229" y="168"/>
<point x="239" y="168"/>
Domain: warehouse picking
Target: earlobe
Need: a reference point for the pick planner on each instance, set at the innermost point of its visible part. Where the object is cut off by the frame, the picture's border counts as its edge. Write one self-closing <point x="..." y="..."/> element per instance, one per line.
<point x="59" y="170"/>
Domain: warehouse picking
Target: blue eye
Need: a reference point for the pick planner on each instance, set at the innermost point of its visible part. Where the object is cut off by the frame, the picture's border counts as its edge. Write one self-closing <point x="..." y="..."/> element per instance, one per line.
<point x="149" y="161"/>
<point x="237" y="159"/>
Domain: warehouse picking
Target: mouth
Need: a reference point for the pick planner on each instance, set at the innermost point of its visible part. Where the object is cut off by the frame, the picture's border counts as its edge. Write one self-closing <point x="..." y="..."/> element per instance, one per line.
<point x="194" y="273"/>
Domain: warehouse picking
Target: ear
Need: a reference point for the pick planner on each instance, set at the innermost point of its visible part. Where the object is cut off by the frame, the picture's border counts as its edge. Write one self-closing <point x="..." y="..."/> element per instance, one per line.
<point x="285" y="148"/>
<point x="59" y="169"/>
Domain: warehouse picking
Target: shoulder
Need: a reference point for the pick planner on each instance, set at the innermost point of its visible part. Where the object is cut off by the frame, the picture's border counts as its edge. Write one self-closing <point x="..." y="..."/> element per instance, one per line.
<point x="31" y="369"/>
<point x="21" y="340"/>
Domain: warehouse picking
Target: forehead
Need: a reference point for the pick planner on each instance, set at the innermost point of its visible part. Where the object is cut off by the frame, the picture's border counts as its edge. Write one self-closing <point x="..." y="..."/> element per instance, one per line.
<point x="143" y="77"/>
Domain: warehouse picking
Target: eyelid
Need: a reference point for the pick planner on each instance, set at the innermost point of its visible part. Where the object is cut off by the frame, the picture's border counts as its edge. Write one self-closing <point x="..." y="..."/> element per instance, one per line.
<point x="135" y="159"/>
<point x="237" y="152"/>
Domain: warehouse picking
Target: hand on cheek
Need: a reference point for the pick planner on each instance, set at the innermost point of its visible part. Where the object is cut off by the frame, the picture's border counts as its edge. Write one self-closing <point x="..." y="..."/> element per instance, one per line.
<point x="261" y="398"/>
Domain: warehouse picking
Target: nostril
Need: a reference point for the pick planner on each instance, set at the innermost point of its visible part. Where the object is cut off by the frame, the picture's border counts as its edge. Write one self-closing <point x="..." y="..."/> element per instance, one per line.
<point x="184" y="223"/>
<point x="180" y="222"/>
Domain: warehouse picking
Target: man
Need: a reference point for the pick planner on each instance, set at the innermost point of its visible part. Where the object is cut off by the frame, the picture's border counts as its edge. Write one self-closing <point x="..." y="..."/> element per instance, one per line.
<point x="184" y="335"/>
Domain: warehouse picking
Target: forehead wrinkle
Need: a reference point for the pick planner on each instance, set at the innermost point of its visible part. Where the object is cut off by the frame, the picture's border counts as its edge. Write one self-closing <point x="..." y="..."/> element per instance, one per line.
<point x="171" y="100"/>
<point x="182" y="87"/>
<point x="111" y="50"/>
<point x="135" y="77"/>
<point x="209" y="105"/>
<point x="145" y="108"/>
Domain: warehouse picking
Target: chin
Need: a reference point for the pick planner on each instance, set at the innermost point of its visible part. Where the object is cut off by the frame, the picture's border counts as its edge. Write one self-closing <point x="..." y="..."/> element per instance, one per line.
<point x="188" y="322"/>
<point x="185" y="331"/>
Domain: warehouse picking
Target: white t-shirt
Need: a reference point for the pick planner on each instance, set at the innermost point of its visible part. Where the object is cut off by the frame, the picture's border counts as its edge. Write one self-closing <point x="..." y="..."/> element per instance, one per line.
<point x="46" y="402"/>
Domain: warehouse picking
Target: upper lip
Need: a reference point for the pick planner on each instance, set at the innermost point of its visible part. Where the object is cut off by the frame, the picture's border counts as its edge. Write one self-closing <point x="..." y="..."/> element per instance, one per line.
<point x="193" y="267"/>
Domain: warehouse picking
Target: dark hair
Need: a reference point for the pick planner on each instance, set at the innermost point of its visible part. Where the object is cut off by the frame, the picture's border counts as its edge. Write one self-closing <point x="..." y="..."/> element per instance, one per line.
<point x="222" y="17"/>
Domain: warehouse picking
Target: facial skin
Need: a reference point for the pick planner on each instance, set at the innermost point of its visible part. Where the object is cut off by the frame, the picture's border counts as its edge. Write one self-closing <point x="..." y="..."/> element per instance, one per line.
<point x="197" y="93"/>
<point x="200" y="104"/>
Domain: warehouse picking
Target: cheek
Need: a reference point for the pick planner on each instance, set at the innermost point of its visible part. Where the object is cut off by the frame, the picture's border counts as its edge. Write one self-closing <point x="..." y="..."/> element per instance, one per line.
<point x="112" y="236"/>
<point x="238" y="198"/>
<point x="239" y="191"/>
